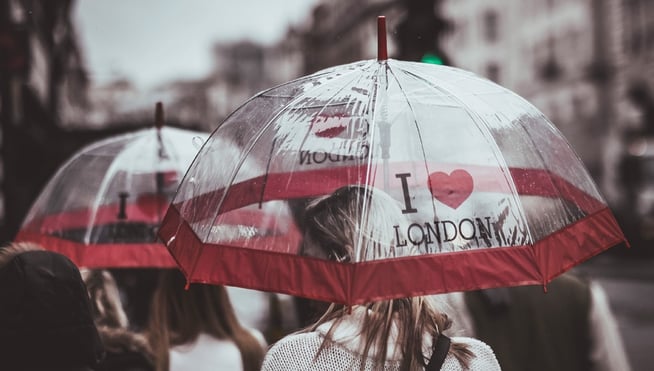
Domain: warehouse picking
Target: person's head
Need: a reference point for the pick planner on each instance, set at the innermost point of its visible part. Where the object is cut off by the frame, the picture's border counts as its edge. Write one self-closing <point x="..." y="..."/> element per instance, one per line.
<point x="411" y="321"/>
<point x="136" y="287"/>
<point x="354" y="223"/>
<point x="179" y="315"/>
<point x="105" y="298"/>
<point x="358" y="223"/>
<point x="110" y="318"/>
<point x="10" y="251"/>
<point x="45" y="314"/>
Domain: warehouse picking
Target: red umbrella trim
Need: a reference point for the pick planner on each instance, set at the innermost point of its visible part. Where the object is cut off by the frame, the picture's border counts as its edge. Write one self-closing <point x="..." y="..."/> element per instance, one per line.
<point x="391" y="278"/>
<point x="110" y="255"/>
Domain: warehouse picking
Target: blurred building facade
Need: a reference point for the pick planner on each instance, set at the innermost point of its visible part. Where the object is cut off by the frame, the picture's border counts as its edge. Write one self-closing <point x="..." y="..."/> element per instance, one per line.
<point x="551" y="53"/>
<point x="635" y="166"/>
<point x="44" y="102"/>
<point x="241" y="69"/>
<point x="342" y="31"/>
<point x="43" y="85"/>
<point x="586" y="64"/>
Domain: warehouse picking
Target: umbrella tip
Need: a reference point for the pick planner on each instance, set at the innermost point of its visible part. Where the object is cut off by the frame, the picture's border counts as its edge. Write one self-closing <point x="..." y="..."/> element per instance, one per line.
<point x="382" y="52"/>
<point x="159" y="116"/>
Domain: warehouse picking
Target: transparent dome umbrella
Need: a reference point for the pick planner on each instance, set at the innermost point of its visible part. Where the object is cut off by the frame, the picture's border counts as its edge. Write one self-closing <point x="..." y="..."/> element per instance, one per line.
<point x="103" y="207"/>
<point x="488" y="191"/>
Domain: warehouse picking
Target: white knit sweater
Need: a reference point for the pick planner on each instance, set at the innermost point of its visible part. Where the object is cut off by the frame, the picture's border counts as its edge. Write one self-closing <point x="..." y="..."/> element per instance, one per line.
<point x="297" y="351"/>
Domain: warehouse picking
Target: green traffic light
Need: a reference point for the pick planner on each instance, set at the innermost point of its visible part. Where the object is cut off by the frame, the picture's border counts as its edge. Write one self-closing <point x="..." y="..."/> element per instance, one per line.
<point x="431" y="58"/>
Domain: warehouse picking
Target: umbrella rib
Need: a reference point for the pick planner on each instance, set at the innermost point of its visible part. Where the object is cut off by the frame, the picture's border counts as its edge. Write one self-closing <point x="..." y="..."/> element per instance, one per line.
<point x="263" y="94"/>
<point x="265" y="175"/>
<point x="96" y="203"/>
<point x="306" y="135"/>
<point x="83" y="151"/>
<point x="422" y="144"/>
<point x="542" y="159"/>
<point x="372" y="101"/>
<point x="357" y="77"/>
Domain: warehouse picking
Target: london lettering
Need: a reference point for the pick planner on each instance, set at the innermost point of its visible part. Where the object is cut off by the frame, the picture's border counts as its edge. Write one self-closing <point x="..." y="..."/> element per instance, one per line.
<point x="354" y="152"/>
<point x="466" y="233"/>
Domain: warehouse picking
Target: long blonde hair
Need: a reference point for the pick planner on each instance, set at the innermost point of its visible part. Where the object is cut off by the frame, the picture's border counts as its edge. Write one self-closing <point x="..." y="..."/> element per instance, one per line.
<point x="109" y="316"/>
<point x="353" y="224"/>
<point x="105" y="298"/>
<point x="178" y="316"/>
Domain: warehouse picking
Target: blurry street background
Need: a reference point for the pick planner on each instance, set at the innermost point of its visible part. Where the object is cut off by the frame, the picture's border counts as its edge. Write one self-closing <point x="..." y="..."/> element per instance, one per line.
<point x="74" y="71"/>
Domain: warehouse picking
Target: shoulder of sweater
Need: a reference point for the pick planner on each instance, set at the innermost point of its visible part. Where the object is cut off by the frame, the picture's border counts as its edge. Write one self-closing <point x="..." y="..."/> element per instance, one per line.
<point x="484" y="357"/>
<point x="475" y="345"/>
<point x="313" y="339"/>
<point x="294" y="351"/>
<point x="297" y="339"/>
<point x="291" y="345"/>
<point x="472" y="342"/>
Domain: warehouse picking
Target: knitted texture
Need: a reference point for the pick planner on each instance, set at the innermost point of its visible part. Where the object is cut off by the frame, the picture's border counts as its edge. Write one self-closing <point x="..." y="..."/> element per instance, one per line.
<point x="297" y="352"/>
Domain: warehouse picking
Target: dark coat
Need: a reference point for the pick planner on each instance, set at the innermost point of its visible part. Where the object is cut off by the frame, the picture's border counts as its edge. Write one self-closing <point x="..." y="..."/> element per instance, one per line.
<point x="126" y="351"/>
<point x="45" y="315"/>
<point x="532" y="330"/>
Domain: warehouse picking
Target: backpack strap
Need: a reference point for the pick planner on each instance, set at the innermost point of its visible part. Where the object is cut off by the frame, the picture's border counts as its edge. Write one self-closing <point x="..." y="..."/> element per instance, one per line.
<point x="441" y="348"/>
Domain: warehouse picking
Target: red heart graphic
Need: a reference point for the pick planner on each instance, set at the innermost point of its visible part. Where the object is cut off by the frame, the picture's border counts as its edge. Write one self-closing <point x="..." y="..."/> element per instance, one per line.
<point x="451" y="189"/>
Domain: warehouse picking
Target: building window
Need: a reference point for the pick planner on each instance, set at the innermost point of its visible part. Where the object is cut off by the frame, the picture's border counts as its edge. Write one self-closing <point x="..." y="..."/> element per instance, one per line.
<point x="493" y="72"/>
<point x="458" y="37"/>
<point x="634" y="30"/>
<point x="491" y="26"/>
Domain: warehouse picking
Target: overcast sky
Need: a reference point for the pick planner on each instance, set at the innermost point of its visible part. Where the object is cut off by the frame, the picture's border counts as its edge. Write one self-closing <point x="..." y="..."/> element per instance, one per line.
<point x="151" y="41"/>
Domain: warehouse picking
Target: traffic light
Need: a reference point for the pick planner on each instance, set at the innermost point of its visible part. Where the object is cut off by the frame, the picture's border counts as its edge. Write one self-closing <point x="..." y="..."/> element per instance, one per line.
<point x="431" y="58"/>
<point x="418" y="34"/>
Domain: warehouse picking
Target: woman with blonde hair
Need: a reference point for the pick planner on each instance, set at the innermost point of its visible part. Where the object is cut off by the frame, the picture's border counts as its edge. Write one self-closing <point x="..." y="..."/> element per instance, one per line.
<point x="197" y="329"/>
<point x="125" y="349"/>
<point x="357" y="223"/>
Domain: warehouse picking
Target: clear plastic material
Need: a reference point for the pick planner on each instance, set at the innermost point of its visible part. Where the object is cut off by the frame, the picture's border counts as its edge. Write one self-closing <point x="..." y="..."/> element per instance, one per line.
<point x="115" y="190"/>
<point x="468" y="164"/>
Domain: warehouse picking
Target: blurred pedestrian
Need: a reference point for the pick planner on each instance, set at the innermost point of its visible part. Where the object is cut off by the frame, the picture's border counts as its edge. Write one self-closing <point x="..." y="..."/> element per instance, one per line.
<point x="125" y="349"/>
<point x="569" y="327"/>
<point x="136" y="287"/>
<point x="197" y="329"/>
<point x="271" y="313"/>
<point x="45" y="314"/>
<point x="399" y="334"/>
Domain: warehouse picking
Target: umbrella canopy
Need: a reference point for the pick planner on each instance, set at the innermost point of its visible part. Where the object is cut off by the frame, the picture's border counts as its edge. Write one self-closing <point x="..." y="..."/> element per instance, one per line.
<point x="103" y="207"/>
<point x="488" y="192"/>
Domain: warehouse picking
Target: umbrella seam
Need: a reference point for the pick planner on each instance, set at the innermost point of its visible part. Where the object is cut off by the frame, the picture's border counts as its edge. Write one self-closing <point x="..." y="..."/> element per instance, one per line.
<point x="422" y="145"/>
<point x="274" y="118"/>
